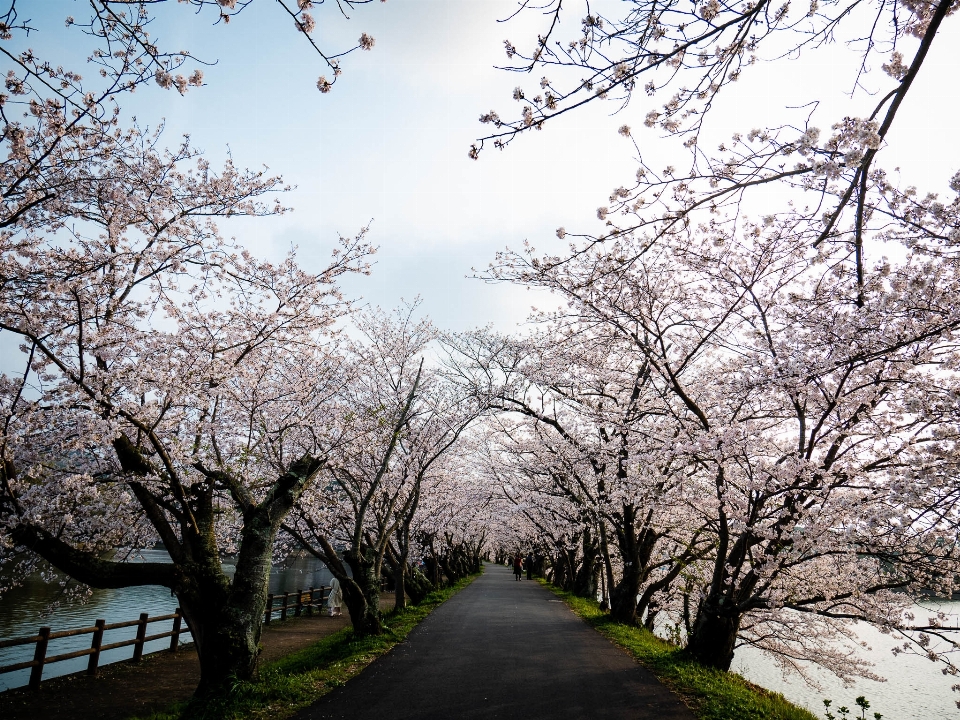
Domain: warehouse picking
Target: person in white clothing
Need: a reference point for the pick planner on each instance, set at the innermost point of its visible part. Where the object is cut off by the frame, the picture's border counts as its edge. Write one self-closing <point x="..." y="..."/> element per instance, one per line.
<point x="335" y="598"/>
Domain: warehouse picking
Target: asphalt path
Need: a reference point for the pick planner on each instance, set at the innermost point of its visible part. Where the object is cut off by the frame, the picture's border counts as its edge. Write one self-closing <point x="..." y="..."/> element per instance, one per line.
<point x="502" y="649"/>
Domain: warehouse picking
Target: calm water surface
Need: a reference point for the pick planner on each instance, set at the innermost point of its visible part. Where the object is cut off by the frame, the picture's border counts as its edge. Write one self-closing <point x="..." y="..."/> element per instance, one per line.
<point x="915" y="688"/>
<point x="24" y="610"/>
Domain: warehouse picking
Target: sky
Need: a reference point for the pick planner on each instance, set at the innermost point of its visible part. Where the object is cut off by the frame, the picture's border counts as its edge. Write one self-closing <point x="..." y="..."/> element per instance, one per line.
<point x="388" y="146"/>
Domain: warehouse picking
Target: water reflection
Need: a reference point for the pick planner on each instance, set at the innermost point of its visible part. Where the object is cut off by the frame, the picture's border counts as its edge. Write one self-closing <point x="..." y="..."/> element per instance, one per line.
<point x="22" y="613"/>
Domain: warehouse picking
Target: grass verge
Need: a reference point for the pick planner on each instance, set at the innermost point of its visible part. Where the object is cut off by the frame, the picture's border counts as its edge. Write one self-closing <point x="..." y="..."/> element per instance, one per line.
<point x="711" y="694"/>
<point x="302" y="678"/>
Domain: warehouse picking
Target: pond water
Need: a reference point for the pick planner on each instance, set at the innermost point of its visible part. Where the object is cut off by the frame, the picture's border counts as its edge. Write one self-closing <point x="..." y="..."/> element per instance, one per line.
<point x="915" y="687"/>
<point x="25" y="609"/>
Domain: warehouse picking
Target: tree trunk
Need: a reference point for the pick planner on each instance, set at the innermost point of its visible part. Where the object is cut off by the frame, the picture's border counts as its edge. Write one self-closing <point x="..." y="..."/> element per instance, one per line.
<point x="362" y="596"/>
<point x="433" y="568"/>
<point x="228" y="614"/>
<point x="623" y="597"/>
<point x="650" y="621"/>
<point x="388" y="576"/>
<point x="399" y="558"/>
<point x="448" y="570"/>
<point x="224" y="615"/>
<point x="585" y="581"/>
<point x="636" y="549"/>
<point x="226" y="634"/>
<point x="687" y="624"/>
<point x="476" y="562"/>
<point x="400" y="589"/>
<point x="418" y="586"/>
<point x="560" y="569"/>
<point x="398" y="566"/>
<point x="714" y="636"/>
<point x="607" y="566"/>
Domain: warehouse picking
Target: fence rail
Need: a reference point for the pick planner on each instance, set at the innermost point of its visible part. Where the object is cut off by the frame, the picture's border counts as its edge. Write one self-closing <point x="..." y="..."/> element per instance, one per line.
<point x="298" y="602"/>
<point x="45" y="635"/>
<point x="301" y="600"/>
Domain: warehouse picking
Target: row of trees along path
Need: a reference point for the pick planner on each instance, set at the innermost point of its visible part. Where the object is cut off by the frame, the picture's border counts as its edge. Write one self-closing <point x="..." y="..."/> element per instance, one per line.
<point x="502" y="649"/>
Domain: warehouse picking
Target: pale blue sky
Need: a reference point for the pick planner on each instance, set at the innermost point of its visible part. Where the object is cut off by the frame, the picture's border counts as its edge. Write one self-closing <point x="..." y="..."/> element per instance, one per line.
<point x="390" y="143"/>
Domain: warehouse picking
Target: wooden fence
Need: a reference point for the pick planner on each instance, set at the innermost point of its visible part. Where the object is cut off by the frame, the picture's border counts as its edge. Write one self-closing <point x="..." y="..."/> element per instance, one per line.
<point x="296" y="601"/>
<point x="44" y="636"/>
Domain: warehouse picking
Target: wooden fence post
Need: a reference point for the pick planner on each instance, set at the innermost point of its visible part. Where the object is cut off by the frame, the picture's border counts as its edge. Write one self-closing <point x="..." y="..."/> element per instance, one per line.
<point x="310" y="602"/>
<point x="141" y="634"/>
<point x="283" y="608"/>
<point x="269" y="608"/>
<point x="299" y="602"/>
<point x="175" y="638"/>
<point x="39" y="655"/>
<point x="95" y="644"/>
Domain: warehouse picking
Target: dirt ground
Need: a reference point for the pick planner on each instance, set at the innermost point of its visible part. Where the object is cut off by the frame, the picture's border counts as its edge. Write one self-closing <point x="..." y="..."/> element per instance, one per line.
<point x="124" y="689"/>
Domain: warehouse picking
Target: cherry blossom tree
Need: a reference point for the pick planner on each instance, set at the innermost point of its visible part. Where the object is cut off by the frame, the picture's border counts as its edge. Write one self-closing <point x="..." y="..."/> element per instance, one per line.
<point x="458" y="517"/>
<point x="404" y="419"/>
<point x="586" y="459"/>
<point x="696" y="52"/>
<point x="536" y="516"/>
<point x="343" y="516"/>
<point x="57" y="124"/>
<point x="805" y="417"/>
<point x="834" y="187"/>
<point x="174" y="388"/>
<point x="792" y="301"/>
<point x="428" y="466"/>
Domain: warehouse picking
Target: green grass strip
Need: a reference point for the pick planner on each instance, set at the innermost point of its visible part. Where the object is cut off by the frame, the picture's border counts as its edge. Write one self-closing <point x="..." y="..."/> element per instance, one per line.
<point x="300" y="679"/>
<point x="711" y="694"/>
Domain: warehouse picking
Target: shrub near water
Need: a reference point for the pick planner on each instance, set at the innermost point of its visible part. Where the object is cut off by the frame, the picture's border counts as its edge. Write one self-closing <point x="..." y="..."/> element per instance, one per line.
<point x="711" y="694"/>
<point x="302" y="678"/>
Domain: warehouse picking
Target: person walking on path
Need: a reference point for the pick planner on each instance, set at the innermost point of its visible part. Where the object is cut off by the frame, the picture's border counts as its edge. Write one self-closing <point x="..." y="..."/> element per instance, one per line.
<point x="518" y="565"/>
<point x="529" y="563"/>
<point x="335" y="598"/>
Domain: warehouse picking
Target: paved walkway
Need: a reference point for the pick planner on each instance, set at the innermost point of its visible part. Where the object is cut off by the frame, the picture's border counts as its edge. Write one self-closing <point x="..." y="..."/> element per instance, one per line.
<point x="502" y="649"/>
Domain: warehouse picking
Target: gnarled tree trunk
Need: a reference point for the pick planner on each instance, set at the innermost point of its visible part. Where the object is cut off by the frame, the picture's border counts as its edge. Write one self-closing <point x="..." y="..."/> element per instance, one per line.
<point x="585" y="581"/>
<point x="636" y="549"/>
<point x="714" y="635"/>
<point x="362" y="594"/>
<point x="418" y="586"/>
<point x="224" y="614"/>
